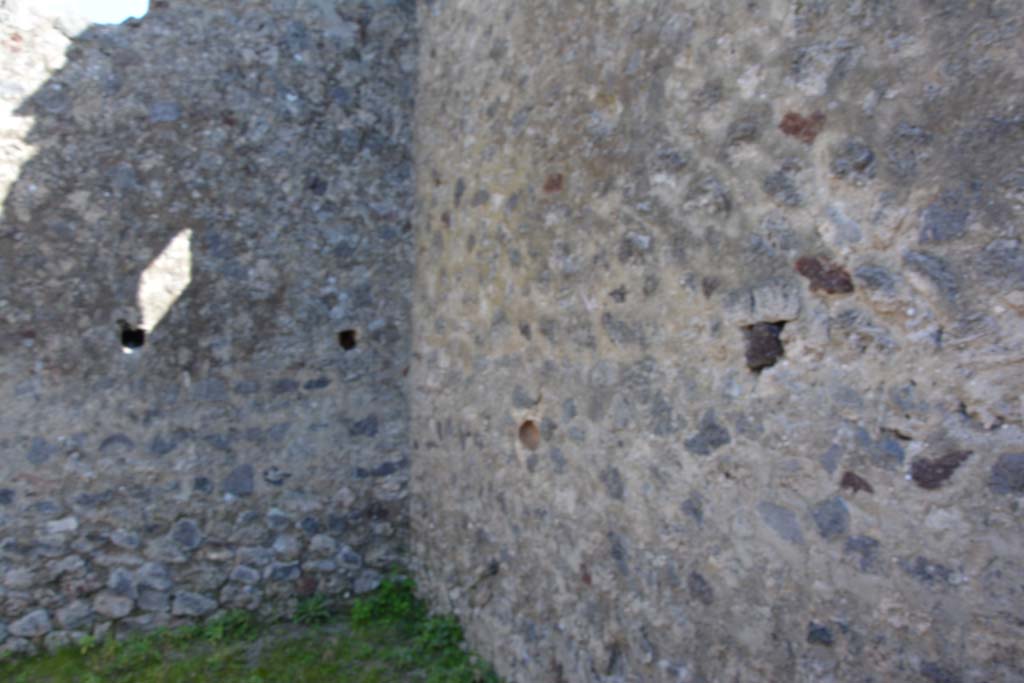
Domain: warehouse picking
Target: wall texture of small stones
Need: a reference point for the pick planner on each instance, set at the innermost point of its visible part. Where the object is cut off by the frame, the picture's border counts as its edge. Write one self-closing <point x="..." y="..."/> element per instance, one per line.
<point x="718" y="349"/>
<point x="716" y="363"/>
<point x="242" y="457"/>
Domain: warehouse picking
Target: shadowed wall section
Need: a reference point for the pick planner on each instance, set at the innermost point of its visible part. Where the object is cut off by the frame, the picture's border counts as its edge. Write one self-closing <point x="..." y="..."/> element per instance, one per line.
<point x="223" y="189"/>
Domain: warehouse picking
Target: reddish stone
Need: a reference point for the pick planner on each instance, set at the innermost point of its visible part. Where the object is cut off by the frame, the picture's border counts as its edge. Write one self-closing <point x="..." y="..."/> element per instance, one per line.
<point x="803" y="128"/>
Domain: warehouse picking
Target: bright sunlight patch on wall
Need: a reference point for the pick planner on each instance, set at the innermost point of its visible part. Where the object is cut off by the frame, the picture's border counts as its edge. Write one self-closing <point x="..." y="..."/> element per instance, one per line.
<point x="108" y="11"/>
<point x="165" y="279"/>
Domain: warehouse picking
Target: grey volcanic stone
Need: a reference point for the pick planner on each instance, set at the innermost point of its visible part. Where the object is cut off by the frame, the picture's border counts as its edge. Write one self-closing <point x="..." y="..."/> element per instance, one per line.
<point x="112" y="605"/>
<point x="255" y="556"/>
<point x="368" y="427"/>
<point x="944" y="219"/>
<point x="906" y="146"/>
<point x="278" y="520"/>
<point x="128" y="540"/>
<point x="240" y="481"/>
<point x="66" y="525"/>
<point x="830" y="459"/>
<point x="116" y="445"/>
<point x="320" y="566"/>
<point x="782" y="188"/>
<point x="240" y="596"/>
<point x="817" y="634"/>
<point x="284" y="386"/>
<point x="140" y="623"/>
<point x="164" y="111"/>
<point x="154" y="575"/>
<point x="72" y="564"/>
<point x="367" y="581"/>
<point x="32" y="625"/>
<point x="154" y="601"/>
<point x="699" y="589"/>
<point x="613" y="483"/>
<point x="1007" y="475"/>
<point x="244" y="574"/>
<point x="283" y="571"/>
<point x="694" y="507"/>
<point x="866" y="548"/>
<point x="521" y="398"/>
<point x="210" y="389"/>
<point x="165" y="550"/>
<point x="19" y="579"/>
<point x="57" y="640"/>
<point x="935" y="269"/>
<point x="187" y="534"/>
<point x="782" y="521"/>
<point x="927" y="571"/>
<point x="322" y="545"/>
<point x="18" y="646"/>
<point x="934" y="672"/>
<point x="831" y="517"/>
<point x="122" y="582"/>
<point x="39" y="451"/>
<point x="349" y="558"/>
<point x="192" y="605"/>
<point x="247" y="387"/>
<point x="853" y="157"/>
<point x="711" y="436"/>
<point x="204" y="577"/>
<point x="875" y="277"/>
<point x="46" y="509"/>
<point x="75" y="616"/>
<point x="163" y="444"/>
<point x="287" y="547"/>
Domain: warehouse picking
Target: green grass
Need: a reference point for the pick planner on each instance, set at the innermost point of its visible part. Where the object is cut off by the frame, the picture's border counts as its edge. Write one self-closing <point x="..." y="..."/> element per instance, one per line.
<point x="385" y="637"/>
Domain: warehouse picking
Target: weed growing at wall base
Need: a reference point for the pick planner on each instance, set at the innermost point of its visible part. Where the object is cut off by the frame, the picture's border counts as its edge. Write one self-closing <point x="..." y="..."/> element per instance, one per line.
<point x="385" y="637"/>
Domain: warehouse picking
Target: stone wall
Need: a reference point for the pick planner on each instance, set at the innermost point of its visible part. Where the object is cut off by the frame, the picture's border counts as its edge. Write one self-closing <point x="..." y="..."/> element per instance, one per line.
<point x="718" y="351"/>
<point x="229" y="185"/>
<point x="716" y="355"/>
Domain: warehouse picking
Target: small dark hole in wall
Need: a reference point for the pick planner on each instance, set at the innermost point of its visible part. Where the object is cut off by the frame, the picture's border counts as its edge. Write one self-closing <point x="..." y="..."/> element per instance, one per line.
<point x="554" y="183"/>
<point x="529" y="435"/>
<point x="854" y="483"/>
<point x="347" y="339"/>
<point x="131" y="337"/>
<point x="764" y="347"/>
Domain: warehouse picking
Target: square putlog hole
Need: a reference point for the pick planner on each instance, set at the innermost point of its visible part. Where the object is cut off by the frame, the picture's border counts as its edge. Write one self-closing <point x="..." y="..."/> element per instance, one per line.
<point x="764" y="346"/>
<point x="347" y="339"/>
<point x="529" y="435"/>
<point x="131" y="337"/>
